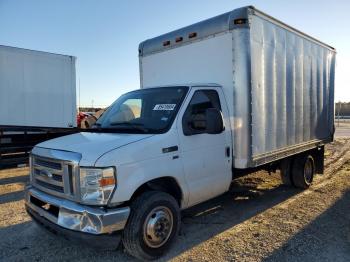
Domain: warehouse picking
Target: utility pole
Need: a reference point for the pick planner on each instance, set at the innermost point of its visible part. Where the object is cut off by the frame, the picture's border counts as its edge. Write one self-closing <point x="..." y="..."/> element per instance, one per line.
<point x="79" y="96"/>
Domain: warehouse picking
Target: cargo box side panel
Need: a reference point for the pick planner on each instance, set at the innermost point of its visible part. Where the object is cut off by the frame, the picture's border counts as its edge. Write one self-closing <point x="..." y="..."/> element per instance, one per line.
<point x="292" y="89"/>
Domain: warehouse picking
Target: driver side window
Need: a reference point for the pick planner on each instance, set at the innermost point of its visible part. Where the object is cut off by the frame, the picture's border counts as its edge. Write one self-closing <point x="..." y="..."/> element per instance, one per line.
<point x="196" y="110"/>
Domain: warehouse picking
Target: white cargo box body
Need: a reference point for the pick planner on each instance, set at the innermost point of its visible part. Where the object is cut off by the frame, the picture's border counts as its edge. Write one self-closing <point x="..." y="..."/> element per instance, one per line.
<point x="37" y="89"/>
<point x="278" y="81"/>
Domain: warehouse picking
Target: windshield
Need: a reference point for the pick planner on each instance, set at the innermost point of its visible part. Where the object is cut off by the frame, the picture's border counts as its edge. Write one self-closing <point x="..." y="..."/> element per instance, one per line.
<point x="149" y="110"/>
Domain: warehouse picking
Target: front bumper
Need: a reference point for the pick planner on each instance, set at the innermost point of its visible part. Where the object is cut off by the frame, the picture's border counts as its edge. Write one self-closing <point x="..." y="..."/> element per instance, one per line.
<point x="72" y="216"/>
<point x="102" y="242"/>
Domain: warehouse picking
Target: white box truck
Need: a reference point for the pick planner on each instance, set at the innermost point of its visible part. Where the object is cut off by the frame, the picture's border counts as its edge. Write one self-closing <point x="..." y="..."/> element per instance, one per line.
<point x="37" y="100"/>
<point x="218" y="99"/>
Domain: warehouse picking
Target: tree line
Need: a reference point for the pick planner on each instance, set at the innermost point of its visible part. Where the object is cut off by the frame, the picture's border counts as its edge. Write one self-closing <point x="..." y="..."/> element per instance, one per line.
<point x="342" y="109"/>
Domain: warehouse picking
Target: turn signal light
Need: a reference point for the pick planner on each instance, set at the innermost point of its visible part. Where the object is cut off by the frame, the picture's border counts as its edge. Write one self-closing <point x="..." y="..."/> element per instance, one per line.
<point x="107" y="181"/>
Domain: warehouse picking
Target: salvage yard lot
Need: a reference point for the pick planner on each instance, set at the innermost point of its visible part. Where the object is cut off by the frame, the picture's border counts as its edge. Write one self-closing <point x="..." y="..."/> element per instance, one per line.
<point x="259" y="219"/>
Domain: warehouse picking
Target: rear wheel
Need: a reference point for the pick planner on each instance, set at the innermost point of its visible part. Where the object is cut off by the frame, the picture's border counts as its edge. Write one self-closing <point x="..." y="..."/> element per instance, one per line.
<point x="303" y="171"/>
<point x="152" y="226"/>
<point x="286" y="171"/>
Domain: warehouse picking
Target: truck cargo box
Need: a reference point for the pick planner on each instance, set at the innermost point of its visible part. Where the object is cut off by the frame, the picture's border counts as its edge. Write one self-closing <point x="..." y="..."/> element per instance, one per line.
<point x="278" y="81"/>
<point x="37" y="89"/>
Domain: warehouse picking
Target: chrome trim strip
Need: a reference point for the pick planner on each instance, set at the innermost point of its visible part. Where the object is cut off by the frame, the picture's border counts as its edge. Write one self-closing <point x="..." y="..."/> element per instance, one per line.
<point x="287" y="151"/>
<point x="49" y="181"/>
<point x="54" y="171"/>
<point x="47" y="190"/>
<point x="57" y="154"/>
<point x="79" y="217"/>
<point x="66" y="184"/>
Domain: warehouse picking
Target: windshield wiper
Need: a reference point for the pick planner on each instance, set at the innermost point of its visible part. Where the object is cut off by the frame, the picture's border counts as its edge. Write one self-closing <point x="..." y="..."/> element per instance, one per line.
<point x="138" y="126"/>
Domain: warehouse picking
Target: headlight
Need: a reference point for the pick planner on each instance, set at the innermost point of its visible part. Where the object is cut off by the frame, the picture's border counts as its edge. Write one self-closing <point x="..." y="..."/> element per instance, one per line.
<point x="96" y="185"/>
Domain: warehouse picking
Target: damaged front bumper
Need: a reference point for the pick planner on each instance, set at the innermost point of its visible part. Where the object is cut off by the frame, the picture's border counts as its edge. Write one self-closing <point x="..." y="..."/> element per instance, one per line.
<point x="69" y="215"/>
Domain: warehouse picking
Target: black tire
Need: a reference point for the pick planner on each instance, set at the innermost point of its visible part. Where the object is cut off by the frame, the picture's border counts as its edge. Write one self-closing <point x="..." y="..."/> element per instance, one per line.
<point x="286" y="171"/>
<point x="303" y="171"/>
<point x="135" y="231"/>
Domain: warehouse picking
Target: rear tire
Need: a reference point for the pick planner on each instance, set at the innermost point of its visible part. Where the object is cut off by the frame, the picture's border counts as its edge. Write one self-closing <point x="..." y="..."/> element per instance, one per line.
<point x="286" y="171"/>
<point x="153" y="225"/>
<point x="303" y="171"/>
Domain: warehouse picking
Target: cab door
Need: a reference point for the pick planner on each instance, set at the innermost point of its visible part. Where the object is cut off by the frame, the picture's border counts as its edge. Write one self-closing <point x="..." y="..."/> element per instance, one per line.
<point x="206" y="157"/>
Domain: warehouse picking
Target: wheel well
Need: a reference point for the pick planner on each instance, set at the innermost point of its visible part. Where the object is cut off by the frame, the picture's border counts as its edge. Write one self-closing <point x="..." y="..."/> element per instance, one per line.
<point x="316" y="153"/>
<point x="164" y="184"/>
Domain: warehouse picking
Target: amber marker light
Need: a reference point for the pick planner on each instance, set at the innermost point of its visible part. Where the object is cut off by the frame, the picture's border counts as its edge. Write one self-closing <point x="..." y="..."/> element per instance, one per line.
<point x="192" y="35"/>
<point x="179" y="39"/>
<point x="166" y="43"/>
<point x="107" y="181"/>
<point x="240" y="21"/>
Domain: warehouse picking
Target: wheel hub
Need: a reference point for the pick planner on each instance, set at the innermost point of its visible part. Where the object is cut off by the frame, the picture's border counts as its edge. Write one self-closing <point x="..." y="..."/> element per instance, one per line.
<point x="158" y="227"/>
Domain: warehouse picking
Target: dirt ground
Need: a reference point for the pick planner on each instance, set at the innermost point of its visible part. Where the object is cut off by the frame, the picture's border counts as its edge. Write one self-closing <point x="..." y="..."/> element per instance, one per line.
<point x="258" y="220"/>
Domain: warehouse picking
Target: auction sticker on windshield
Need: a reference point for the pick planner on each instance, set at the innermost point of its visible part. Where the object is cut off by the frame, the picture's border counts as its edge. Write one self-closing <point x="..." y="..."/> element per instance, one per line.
<point x="164" y="107"/>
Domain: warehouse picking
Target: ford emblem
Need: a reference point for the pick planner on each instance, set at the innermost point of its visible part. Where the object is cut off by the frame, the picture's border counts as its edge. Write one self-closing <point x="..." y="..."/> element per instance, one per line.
<point x="46" y="173"/>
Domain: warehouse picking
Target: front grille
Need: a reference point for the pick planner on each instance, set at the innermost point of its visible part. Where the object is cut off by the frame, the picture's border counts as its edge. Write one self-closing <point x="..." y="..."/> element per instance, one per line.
<point x="53" y="176"/>
<point x="49" y="164"/>
<point x="50" y="186"/>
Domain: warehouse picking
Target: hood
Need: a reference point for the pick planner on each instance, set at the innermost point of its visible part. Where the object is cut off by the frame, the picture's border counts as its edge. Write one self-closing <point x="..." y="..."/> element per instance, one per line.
<point x="92" y="145"/>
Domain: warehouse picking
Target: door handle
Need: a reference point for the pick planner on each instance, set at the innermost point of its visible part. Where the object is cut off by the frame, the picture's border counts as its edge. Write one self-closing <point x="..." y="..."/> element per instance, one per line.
<point x="170" y="149"/>
<point x="227" y="151"/>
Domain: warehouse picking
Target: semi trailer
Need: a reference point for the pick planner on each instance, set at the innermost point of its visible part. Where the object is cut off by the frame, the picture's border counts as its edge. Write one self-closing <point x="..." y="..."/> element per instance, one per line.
<point x="37" y="100"/>
<point x="219" y="99"/>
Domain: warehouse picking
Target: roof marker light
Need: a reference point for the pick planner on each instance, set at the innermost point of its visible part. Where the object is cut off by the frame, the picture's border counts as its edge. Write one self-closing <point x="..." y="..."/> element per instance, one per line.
<point x="240" y="21"/>
<point x="192" y="35"/>
<point x="179" y="39"/>
<point x="166" y="43"/>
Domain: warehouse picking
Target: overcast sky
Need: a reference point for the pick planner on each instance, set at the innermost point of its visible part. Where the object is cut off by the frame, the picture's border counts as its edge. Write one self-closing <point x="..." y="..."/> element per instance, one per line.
<point x="104" y="35"/>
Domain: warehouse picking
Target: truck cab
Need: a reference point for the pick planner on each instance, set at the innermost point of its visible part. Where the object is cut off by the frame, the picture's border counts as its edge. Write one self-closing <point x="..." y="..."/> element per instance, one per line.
<point x="173" y="141"/>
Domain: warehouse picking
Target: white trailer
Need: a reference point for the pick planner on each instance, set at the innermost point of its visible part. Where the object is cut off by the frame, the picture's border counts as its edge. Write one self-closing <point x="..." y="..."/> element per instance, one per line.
<point x="37" y="100"/>
<point x="37" y="89"/>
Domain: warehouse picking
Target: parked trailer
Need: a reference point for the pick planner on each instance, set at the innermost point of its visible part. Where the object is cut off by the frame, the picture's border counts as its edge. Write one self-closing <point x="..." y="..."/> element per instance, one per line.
<point x="37" y="100"/>
<point x="221" y="98"/>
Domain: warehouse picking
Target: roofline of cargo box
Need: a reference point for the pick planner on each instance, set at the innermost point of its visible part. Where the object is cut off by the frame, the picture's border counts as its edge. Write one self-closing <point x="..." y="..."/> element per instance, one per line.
<point x="31" y="50"/>
<point x="286" y="26"/>
<point x="195" y="84"/>
<point x="212" y="26"/>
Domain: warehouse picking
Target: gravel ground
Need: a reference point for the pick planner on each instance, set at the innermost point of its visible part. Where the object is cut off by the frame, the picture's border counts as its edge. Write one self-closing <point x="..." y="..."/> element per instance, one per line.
<point x="259" y="219"/>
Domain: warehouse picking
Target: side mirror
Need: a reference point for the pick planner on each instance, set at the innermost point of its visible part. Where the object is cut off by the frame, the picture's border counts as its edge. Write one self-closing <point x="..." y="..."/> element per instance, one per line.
<point x="215" y="123"/>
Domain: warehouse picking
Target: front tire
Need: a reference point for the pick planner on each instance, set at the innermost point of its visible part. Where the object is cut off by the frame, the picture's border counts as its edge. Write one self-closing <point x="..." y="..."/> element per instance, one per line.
<point x="153" y="225"/>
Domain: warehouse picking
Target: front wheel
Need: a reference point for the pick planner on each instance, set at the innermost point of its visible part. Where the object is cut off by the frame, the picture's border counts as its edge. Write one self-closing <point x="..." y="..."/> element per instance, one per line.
<point x="152" y="226"/>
